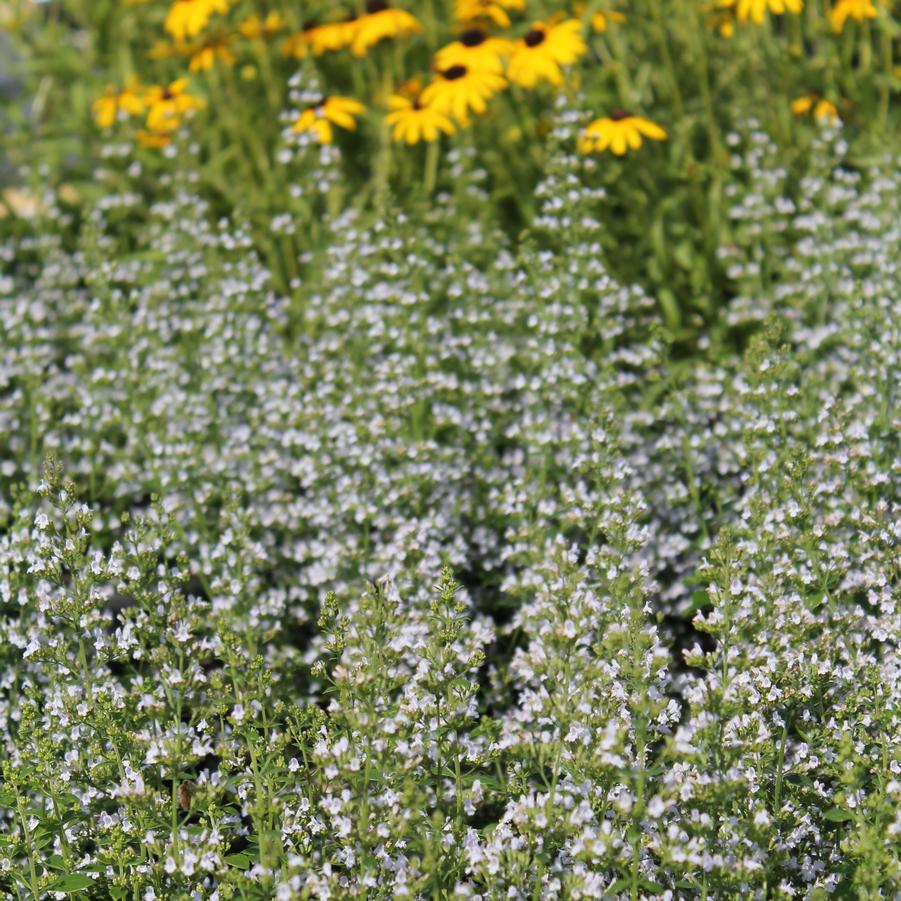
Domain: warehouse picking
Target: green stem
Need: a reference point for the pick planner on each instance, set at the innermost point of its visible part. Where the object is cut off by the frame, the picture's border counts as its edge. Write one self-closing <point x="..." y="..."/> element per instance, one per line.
<point x="29" y="849"/>
<point x="888" y="74"/>
<point x="431" y="167"/>
<point x="666" y="56"/>
<point x="614" y="61"/>
<point x="866" y="48"/>
<point x="780" y="761"/>
<point x="176" y="769"/>
<point x="703" y="66"/>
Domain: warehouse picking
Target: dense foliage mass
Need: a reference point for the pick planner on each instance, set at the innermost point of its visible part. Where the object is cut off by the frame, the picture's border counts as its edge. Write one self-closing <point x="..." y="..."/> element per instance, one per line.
<point x="356" y="542"/>
<point x="254" y="95"/>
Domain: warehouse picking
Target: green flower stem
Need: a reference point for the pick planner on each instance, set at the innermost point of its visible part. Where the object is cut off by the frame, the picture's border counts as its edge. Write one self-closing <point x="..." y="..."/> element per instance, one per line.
<point x="865" y="53"/>
<point x="661" y="32"/>
<point x="29" y="847"/>
<point x="888" y="74"/>
<point x="431" y="166"/>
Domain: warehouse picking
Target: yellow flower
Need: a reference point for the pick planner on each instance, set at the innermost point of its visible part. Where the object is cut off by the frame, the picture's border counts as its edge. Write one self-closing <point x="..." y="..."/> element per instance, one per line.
<point x="495" y="10"/>
<point x="410" y="89"/>
<point x="205" y="55"/>
<point x="166" y="106"/>
<point x="600" y="20"/>
<point x="320" y="38"/>
<point x="858" y="10"/>
<point x="106" y="109"/>
<point x="381" y="21"/>
<point x="720" y="17"/>
<point x="413" y="121"/>
<point x="756" y="10"/>
<point x="255" y="28"/>
<point x="165" y="50"/>
<point x="539" y="55"/>
<point x="822" y="109"/>
<point x="619" y="131"/>
<point x="329" y="111"/>
<point x="476" y="50"/>
<point x="459" y="89"/>
<point x="155" y="139"/>
<point x="187" y="18"/>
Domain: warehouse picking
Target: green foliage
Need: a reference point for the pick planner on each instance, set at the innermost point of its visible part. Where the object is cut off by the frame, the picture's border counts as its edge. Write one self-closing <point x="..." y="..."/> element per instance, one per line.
<point x="665" y="207"/>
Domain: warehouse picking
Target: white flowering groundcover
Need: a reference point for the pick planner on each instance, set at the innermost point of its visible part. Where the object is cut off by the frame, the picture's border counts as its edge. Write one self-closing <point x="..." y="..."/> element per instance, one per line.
<point x="449" y="577"/>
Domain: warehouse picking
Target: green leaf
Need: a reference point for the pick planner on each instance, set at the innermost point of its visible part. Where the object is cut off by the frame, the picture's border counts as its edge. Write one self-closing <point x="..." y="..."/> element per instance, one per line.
<point x="118" y="891"/>
<point x="838" y="815"/>
<point x="798" y="779"/>
<point x="238" y="861"/>
<point x="700" y="600"/>
<point x="72" y="883"/>
<point x="42" y="837"/>
<point x="815" y="601"/>
<point x="669" y="306"/>
<point x="683" y="254"/>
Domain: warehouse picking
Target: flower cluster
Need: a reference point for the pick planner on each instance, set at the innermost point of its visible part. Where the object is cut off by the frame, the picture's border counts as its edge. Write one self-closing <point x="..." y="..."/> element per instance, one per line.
<point x="443" y="572"/>
<point x="163" y="106"/>
<point x="468" y="71"/>
<point x="286" y="116"/>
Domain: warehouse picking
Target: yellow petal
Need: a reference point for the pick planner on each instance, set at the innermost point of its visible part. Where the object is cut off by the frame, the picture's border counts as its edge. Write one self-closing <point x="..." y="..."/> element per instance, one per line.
<point x="649" y="129"/>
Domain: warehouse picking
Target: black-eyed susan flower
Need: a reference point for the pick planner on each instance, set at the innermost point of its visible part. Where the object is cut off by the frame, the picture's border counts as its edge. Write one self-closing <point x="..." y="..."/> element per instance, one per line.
<point x="819" y="107"/>
<point x="167" y="105"/>
<point x="721" y="17"/>
<point x="318" y="38"/>
<point x="619" y="132"/>
<point x="539" y="55"/>
<point x="381" y="21"/>
<point x="255" y="28"/>
<point x="187" y="18"/>
<point x="154" y="139"/>
<point x="129" y="100"/>
<point x="486" y="10"/>
<point x="476" y="50"/>
<point x="319" y="118"/>
<point x="413" y="121"/>
<point x="601" y="19"/>
<point x="756" y="10"/>
<point x="205" y="54"/>
<point x="857" y="10"/>
<point x="457" y="90"/>
<point x="165" y="50"/>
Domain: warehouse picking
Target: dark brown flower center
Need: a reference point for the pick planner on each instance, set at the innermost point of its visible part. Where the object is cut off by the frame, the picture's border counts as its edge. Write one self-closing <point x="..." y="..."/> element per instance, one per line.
<point x="535" y="37"/>
<point x="376" y="6"/>
<point x="619" y="114"/>
<point x="473" y="37"/>
<point x="309" y="25"/>
<point x="454" y="72"/>
<point x="167" y="94"/>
